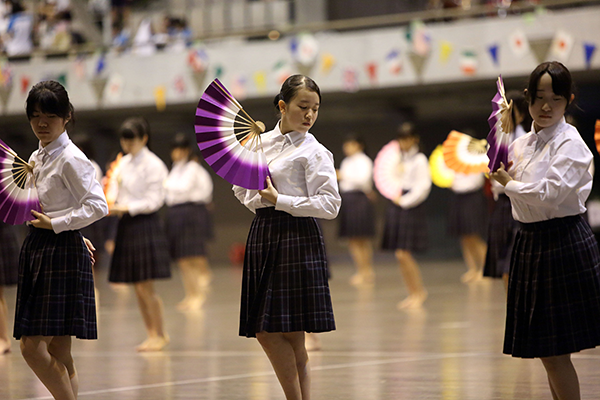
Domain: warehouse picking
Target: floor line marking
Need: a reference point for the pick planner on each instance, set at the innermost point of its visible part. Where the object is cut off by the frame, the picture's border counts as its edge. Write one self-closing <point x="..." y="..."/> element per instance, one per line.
<point x="265" y="373"/>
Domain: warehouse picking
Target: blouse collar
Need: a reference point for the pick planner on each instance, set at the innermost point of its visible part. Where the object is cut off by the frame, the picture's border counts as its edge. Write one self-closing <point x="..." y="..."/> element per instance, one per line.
<point x="548" y="133"/>
<point x="56" y="146"/>
<point x="294" y="137"/>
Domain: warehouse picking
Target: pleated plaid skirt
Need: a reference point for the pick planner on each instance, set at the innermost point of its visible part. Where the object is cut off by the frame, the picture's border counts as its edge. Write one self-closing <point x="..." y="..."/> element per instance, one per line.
<point x="284" y="284"/>
<point x="189" y="227"/>
<point x="141" y="250"/>
<point x="501" y="237"/>
<point x="9" y="255"/>
<point x="55" y="294"/>
<point x="468" y="214"/>
<point x="553" y="303"/>
<point x="357" y="216"/>
<point x="405" y="229"/>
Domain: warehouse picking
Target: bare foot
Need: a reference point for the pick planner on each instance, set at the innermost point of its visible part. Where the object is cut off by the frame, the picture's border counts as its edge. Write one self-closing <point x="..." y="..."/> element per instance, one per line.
<point x="468" y="276"/>
<point x="413" y="301"/>
<point x="312" y="342"/>
<point x="362" y="279"/>
<point x="184" y="304"/>
<point x="205" y="280"/>
<point x="144" y="345"/>
<point x="157" y="343"/>
<point x="4" y="347"/>
<point x="192" y="304"/>
<point x="356" y="280"/>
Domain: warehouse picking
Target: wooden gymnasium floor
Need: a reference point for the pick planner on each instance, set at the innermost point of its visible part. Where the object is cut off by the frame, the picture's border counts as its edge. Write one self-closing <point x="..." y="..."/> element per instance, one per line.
<point x="449" y="350"/>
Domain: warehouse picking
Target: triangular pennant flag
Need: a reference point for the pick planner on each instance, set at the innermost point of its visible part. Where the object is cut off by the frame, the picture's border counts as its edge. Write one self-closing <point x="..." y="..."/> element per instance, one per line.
<point x="540" y="48"/>
<point x="350" y="80"/>
<point x="518" y="43"/>
<point x="372" y="72"/>
<point x="238" y="87"/>
<point x="589" y="49"/>
<point x="327" y="62"/>
<point x="493" y="50"/>
<point x="198" y="76"/>
<point x="394" y="62"/>
<point x="160" y="98"/>
<point x="5" y="91"/>
<point x="114" y="88"/>
<point x="260" y="80"/>
<point x="281" y="72"/>
<point x="562" y="45"/>
<point x="468" y="62"/>
<point x="98" y="85"/>
<point x="446" y="49"/>
<point x="62" y="79"/>
<point x="25" y="82"/>
<point x="179" y="85"/>
<point x="418" y="63"/>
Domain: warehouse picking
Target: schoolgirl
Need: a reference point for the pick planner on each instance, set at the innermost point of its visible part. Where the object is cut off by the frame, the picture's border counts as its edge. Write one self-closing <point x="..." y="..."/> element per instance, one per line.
<point x="189" y="223"/>
<point x="503" y="227"/>
<point x="9" y="275"/>
<point x="553" y="307"/>
<point x="285" y="292"/>
<point x="55" y="293"/>
<point x="141" y="252"/>
<point x="357" y="214"/>
<point x="468" y="219"/>
<point x="405" y="230"/>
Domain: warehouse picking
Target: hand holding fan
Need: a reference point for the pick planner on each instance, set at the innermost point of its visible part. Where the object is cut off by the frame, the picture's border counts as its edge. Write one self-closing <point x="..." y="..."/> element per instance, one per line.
<point x="229" y="139"/>
<point x="501" y="127"/>
<point x="387" y="171"/>
<point x="18" y="195"/>
<point x="465" y="154"/>
<point x="110" y="183"/>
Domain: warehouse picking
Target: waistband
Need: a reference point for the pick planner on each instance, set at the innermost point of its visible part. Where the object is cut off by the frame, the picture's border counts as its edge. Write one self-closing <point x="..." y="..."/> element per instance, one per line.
<point x="270" y="211"/>
<point x="552" y="223"/>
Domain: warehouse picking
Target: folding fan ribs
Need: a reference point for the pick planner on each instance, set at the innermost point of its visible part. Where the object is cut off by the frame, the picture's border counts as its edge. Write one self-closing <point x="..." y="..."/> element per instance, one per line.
<point x="18" y="195"/>
<point x="501" y="127"/>
<point x="229" y="139"/>
<point x="465" y="154"/>
<point x="386" y="171"/>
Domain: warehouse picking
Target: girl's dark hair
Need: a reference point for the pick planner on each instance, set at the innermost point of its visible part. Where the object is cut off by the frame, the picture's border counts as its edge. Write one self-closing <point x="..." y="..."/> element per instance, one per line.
<point x="407" y="130"/>
<point x="562" y="84"/>
<point x="292" y="85"/>
<point x="353" y="137"/>
<point x="520" y="104"/>
<point x="135" y="127"/>
<point x="181" y="141"/>
<point x="49" y="97"/>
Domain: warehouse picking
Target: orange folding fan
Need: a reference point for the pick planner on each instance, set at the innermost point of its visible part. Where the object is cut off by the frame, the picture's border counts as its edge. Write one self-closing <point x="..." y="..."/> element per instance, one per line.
<point x="465" y="154"/>
<point x="597" y="135"/>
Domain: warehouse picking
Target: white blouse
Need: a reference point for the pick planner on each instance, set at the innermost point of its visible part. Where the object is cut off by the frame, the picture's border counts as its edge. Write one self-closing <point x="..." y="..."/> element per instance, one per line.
<point x="188" y="182"/>
<point x="141" y="182"/>
<point x="415" y="177"/>
<point x="67" y="187"/>
<point x="551" y="174"/>
<point x="356" y="173"/>
<point x="303" y="173"/>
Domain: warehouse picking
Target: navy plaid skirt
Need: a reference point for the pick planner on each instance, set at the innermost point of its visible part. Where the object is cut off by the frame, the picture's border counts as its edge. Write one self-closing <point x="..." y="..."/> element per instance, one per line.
<point x="405" y="229"/>
<point x="189" y="227"/>
<point x="55" y="296"/>
<point x="9" y="255"/>
<point x="141" y="250"/>
<point x="357" y="216"/>
<point x="284" y="284"/>
<point x="468" y="214"/>
<point x="554" y="290"/>
<point x="501" y="237"/>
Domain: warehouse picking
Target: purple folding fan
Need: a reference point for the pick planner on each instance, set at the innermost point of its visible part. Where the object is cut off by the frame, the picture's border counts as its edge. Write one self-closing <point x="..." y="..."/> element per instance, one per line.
<point x="18" y="195"/>
<point x="229" y="139"/>
<point x="500" y="128"/>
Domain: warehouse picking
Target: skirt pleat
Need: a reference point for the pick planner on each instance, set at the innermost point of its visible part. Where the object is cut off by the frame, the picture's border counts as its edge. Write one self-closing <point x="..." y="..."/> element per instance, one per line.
<point x="284" y="284"/>
<point x="55" y="295"/>
<point x="405" y="229"/>
<point x="468" y="214"/>
<point x="554" y="290"/>
<point x="501" y="238"/>
<point x="141" y="250"/>
<point x="357" y="216"/>
<point x="9" y="256"/>
<point x="189" y="227"/>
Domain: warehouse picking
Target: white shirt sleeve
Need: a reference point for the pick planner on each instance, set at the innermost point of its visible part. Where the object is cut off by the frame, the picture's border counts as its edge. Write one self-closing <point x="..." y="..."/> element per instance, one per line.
<point x="79" y="178"/>
<point x="323" y="200"/>
<point x="565" y="171"/>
